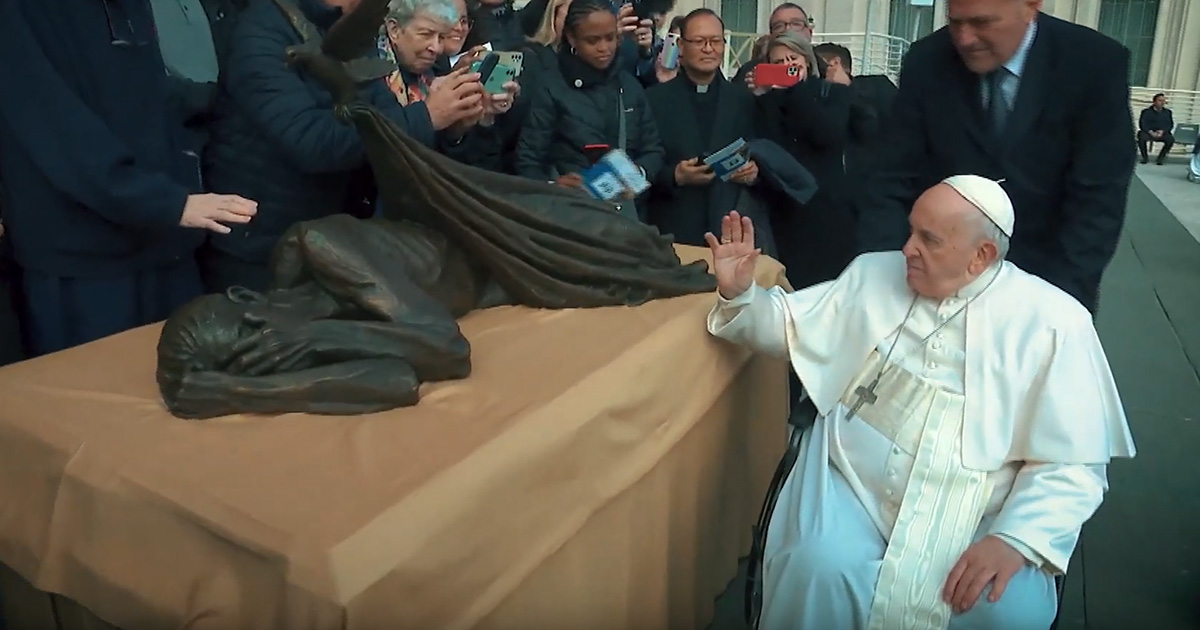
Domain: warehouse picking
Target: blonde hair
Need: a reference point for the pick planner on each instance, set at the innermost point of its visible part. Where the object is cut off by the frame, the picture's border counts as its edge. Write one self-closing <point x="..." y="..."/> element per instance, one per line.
<point x="545" y="34"/>
<point x="798" y="45"/>
<point x="759" y="50"/>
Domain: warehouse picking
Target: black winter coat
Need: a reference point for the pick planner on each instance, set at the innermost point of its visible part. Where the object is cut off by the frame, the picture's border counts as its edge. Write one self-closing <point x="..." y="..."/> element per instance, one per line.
<point x="578" y="106"/>
<point x="276" y="139"/>
<point x="96" y="164"/>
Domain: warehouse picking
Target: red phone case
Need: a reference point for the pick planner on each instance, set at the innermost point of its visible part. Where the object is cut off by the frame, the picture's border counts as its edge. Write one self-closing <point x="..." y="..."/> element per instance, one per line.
<point x="776" y="74"/>
<point x="594" y="152"/>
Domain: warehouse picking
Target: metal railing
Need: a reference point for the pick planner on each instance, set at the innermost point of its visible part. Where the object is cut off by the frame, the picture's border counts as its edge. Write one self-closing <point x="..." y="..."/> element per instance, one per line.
<point x="873" y="53"/>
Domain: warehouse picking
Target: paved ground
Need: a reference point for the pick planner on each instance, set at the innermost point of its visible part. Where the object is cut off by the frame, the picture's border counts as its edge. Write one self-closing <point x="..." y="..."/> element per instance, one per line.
<point x="1139" y="562"/>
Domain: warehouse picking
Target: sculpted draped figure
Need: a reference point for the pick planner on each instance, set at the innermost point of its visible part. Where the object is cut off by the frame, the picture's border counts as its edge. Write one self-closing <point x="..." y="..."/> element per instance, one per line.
<point x="363" y="311"/>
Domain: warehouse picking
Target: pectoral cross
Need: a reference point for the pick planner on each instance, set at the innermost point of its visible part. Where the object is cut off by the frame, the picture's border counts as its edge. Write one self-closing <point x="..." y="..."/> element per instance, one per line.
<point x="865" y="396"/>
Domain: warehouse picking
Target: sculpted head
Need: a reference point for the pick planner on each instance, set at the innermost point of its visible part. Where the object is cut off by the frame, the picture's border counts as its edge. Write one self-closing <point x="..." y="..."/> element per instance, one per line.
<point x="953" y="240"/>
<point x="202" y="335"/>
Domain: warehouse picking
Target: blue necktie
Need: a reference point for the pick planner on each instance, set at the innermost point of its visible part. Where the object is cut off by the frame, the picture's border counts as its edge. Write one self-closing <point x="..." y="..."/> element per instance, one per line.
<point x="997" y="109"/>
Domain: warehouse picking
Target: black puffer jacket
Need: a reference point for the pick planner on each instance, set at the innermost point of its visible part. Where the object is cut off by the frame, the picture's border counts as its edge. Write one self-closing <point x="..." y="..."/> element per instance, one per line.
<point x="578" y="106"/>
<point x="276" y="139"/>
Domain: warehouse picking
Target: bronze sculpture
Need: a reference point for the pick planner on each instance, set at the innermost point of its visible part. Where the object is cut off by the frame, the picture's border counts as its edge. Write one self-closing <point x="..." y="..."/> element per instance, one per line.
<point x="362" y="311"/>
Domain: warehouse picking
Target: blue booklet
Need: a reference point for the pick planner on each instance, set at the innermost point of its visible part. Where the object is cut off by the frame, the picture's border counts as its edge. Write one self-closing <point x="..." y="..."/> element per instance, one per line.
<point x="615" y="173"/>
<point x="727" y="161"/>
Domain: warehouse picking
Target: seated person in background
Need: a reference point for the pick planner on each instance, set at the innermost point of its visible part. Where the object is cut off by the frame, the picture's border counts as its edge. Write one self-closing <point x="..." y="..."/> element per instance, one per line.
<point x="966" y="419"/>
<point x="588" y="101"/>
<point x="1155" y="124"/>
<point x="276" y="139"/>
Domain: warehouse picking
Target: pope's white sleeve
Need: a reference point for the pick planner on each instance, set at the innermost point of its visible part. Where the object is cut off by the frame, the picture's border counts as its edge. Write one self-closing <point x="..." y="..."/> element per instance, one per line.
<point x="754" y="319"/>
<point x="1047" y="508"/>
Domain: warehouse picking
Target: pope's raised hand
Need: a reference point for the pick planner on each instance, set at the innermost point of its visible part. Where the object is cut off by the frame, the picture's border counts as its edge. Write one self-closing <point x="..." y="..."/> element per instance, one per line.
<point x="734" y="255"/>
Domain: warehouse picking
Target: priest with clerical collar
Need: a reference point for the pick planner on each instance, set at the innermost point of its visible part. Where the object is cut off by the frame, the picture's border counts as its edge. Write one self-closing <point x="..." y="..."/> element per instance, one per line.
<point x="696" y="117"/>
<point x="966" y="418"/>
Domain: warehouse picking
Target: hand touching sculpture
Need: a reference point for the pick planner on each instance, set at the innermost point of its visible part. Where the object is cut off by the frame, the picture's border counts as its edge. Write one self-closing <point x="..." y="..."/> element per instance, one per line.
<point x="734" y="255"/>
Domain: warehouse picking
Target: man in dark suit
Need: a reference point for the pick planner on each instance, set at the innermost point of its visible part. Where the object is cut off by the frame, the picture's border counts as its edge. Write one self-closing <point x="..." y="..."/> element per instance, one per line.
<point x="1155" y="124"/>
<point x="1060" y="135"/>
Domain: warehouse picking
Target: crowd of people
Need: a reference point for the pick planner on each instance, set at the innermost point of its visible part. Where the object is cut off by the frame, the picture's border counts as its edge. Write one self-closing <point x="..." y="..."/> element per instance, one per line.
<point x="138" y="173"/>
<point x="127" y="195"/>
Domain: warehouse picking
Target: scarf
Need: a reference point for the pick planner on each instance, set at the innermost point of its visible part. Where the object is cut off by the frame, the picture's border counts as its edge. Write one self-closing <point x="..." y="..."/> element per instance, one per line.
<point x="407" y="90"/>
<point x="578" y="73"/>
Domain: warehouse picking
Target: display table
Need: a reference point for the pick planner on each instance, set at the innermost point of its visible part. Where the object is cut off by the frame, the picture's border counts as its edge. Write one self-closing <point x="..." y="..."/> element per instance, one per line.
<point x="601" y="468"/>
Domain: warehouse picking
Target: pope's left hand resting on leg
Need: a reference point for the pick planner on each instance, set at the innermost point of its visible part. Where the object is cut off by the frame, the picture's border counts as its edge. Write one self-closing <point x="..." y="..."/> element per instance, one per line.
<point x="967" y="418"/>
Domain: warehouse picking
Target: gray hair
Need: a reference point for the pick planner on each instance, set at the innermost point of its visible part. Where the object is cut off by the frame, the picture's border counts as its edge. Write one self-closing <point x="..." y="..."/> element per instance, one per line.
<point x="989" y="231"/>
<point x="796" y="44"/>
<point x="403" y="11"/>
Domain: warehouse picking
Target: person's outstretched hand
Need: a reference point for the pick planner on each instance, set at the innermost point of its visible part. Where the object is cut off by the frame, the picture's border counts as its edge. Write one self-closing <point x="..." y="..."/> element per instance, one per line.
<point x="213" y="212"/>
<point x="734" y="255"/>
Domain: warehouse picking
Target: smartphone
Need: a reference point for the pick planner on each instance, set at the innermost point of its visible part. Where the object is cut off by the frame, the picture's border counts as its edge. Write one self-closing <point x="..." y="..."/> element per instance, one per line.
<point x="641" y="8"/>
<point x="502" y="74"/>
<point x="776" y="75"/>
<point x="514" y="60"/>
<point x="595" y="152"/>
<point x="668" y="58"/>
<point x="487" y="66"/>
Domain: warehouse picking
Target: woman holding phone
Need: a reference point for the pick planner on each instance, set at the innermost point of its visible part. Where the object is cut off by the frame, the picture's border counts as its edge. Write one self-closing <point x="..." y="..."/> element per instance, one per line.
<point x="586" y="104"/>
<point x="666" y="62"/>
<point x="491" y="143"/>
<point x="810" y="117"/>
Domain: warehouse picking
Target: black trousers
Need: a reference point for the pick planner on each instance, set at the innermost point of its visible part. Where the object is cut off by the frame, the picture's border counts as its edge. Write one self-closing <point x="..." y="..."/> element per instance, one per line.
<point x="12" y="344"/>
<point x="1144" y="139"/>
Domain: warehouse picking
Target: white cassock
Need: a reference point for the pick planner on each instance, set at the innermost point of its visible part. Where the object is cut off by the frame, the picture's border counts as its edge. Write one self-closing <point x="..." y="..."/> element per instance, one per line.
<point x="1003" y="423"/>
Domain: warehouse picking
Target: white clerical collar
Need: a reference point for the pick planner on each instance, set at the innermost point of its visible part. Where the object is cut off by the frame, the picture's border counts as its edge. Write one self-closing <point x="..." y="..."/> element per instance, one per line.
<point x="976" y="286"/>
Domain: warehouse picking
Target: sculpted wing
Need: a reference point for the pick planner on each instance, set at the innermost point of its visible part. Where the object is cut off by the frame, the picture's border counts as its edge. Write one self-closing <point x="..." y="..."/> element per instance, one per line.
<point x="366" y="69"/>
<point x="355" y="34"/>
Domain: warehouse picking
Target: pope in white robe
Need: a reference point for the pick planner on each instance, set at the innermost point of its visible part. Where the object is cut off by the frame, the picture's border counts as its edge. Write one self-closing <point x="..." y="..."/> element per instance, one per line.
<point x="966" y="417"/>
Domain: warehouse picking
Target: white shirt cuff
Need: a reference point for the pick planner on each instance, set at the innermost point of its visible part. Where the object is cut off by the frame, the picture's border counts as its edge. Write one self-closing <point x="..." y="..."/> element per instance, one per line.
<point x="745" y="298"/>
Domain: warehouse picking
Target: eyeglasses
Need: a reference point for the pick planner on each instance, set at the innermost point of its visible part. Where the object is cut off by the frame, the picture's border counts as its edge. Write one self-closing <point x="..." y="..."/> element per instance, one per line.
<point x="779" y="27"/>
<point x="466" y="22"/>
<point x="706" y="42"/>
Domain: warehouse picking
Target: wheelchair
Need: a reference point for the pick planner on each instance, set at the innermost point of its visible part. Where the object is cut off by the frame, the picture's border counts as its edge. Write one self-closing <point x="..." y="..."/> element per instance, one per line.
<point x="801" y="418"/>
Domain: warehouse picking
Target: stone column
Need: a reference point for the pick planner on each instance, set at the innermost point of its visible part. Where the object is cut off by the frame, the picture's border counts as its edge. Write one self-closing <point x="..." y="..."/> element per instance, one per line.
<point x="1175" y="63"/>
